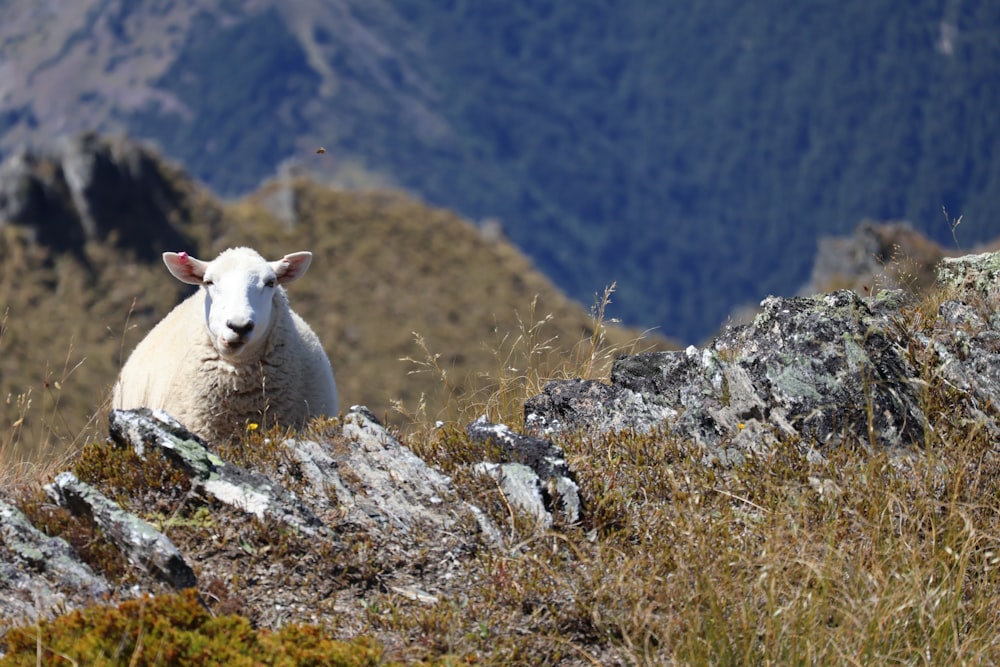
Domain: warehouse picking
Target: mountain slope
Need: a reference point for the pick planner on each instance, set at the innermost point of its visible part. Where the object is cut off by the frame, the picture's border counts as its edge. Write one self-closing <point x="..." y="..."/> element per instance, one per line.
<point x="385" y="269"/>
<point x="692" y="153"/>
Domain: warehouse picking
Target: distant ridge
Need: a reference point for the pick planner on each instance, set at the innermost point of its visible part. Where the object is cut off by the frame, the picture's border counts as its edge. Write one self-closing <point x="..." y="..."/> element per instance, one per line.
<point x="692" y="154"/>
<point x="386" y="269"/>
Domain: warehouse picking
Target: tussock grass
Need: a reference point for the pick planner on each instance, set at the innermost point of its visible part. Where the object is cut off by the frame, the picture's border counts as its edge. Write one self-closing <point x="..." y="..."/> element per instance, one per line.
<point x="524" y="360"/>
<point x="66" y="323"/>
<point x="866" y="557"/>
<point x="859" y="560"/>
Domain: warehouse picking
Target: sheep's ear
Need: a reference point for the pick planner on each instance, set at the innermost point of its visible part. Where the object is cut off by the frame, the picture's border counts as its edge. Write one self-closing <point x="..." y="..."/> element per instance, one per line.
<point x="184" y="267"/>
<point x="291" y="267"/>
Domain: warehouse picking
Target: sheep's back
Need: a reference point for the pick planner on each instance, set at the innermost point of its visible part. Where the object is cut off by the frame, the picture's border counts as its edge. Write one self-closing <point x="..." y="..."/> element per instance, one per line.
<point x="161" y="360"/>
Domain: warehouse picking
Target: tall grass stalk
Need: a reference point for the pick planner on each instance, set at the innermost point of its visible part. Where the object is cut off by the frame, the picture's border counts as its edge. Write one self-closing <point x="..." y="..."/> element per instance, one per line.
<point x="524" y="361"/>
<point x="38" y="438"/>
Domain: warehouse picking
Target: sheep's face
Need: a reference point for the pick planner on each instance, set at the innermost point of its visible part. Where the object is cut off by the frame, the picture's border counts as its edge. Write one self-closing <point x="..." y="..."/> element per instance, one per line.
<point x="239" y="294"/>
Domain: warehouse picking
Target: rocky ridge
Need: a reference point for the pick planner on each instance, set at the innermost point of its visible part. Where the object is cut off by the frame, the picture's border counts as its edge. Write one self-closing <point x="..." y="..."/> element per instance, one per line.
<point x="354" y="486"/>
<point x="304" y="529"/>
<point x="88" y="188"/>
<point x="820" y="371"/>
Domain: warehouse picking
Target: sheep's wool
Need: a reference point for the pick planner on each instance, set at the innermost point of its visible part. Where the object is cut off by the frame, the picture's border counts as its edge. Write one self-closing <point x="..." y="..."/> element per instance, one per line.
<point x="176" y="368"/>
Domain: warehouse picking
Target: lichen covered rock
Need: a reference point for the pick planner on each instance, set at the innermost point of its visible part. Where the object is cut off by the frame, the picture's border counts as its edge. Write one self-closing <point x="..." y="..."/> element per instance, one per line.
<point x="817" y="370"/>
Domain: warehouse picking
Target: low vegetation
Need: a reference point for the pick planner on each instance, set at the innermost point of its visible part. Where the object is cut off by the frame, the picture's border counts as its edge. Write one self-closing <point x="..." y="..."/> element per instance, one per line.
<point x="177" y="630"/>
<point x="866" y="557"/>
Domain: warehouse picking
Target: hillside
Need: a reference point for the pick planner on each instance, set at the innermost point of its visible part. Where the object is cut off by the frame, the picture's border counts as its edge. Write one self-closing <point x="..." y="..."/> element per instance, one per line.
<point x="818" y="487"/>
<point x="692" y="154"/>
<point x="385" y="269"/>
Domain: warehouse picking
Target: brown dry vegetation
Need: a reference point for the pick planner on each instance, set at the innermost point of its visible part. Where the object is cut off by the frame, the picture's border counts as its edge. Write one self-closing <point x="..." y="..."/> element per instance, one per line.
<point x="387" y="272"/>
<point x="868" y="557"/>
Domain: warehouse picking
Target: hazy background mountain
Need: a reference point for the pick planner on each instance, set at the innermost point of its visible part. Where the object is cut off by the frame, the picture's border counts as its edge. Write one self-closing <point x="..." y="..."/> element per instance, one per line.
<point x="386" y="268"/>
<point x="693" y="152"/>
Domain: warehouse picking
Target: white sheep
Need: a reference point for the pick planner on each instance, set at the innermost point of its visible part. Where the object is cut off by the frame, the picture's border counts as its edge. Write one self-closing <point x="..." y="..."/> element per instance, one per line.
<point x="234" y="353"/>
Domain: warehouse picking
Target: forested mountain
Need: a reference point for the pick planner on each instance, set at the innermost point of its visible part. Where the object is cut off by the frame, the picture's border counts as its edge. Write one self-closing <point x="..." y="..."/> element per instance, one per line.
<point x="691" y="151"/>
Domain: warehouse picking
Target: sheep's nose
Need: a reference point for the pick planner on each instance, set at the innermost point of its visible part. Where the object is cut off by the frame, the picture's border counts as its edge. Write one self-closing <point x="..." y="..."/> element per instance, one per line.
<point x="240" y="328"/>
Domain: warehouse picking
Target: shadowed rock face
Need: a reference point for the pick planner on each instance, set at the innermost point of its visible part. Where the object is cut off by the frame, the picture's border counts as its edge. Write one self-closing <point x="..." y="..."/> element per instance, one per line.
<point x="90" y="188"/>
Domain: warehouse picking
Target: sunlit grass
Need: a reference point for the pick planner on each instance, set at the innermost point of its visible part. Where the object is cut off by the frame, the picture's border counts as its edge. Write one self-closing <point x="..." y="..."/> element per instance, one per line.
<point x="863" y="557"/>
<point x="524" y="359"/>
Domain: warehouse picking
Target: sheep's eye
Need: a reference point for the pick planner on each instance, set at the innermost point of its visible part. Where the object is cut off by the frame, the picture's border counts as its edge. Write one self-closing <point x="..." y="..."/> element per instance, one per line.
<point x="207" y="283"/>
<point x="269" y="283"/>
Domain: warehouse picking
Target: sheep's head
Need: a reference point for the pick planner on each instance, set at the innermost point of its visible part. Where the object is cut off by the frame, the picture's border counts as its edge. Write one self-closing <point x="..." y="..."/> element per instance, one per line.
<point x="240" y="290"/>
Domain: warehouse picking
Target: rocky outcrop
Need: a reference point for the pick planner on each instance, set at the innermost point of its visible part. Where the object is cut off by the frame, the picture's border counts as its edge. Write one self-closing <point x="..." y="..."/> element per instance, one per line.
<point x="532" y="472"/>
<point x="972" y="275"/>
<point x="348" y="492"/>
<point x="817" y="370"/>
<point x="208" y="474"/>
<point x="39" y="572"/>
<point x="93" y="188"/>
<point x="140" y="542"/>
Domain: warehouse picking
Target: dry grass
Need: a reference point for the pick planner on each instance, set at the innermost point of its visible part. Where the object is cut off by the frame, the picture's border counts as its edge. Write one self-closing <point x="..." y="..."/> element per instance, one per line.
<point x="863" y="558"/>
<point x="524" y="360"/>
<point x="66" y="321"/>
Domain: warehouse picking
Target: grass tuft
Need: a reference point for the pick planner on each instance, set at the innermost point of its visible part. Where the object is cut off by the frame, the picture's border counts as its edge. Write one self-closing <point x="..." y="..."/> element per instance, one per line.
<point x="524" y="361"/>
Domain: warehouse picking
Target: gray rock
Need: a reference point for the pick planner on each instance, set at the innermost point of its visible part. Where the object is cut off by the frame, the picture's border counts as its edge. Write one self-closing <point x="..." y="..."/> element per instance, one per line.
<point x="40" y="575"/>
<point x="141" y="543"/>
<point x="520" y="485"/>
<point x="371" y="479"/>
<point x="230" y="484"/>
<point x="532" y="472"/>
<point x="393" y="486"/>
<point x="359" y="494"/>
<point x="974" y="274"/>
<point x="818" y="369"/>
<point x="875" y="256"/>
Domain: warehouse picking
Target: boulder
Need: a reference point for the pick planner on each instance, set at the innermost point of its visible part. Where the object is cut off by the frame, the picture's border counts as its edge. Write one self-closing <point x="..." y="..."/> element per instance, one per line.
<point x="531" y="471"/>
<point x="817" y="370"/>
<point x="40" y="574"/>
<point x="145" y="546"/>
